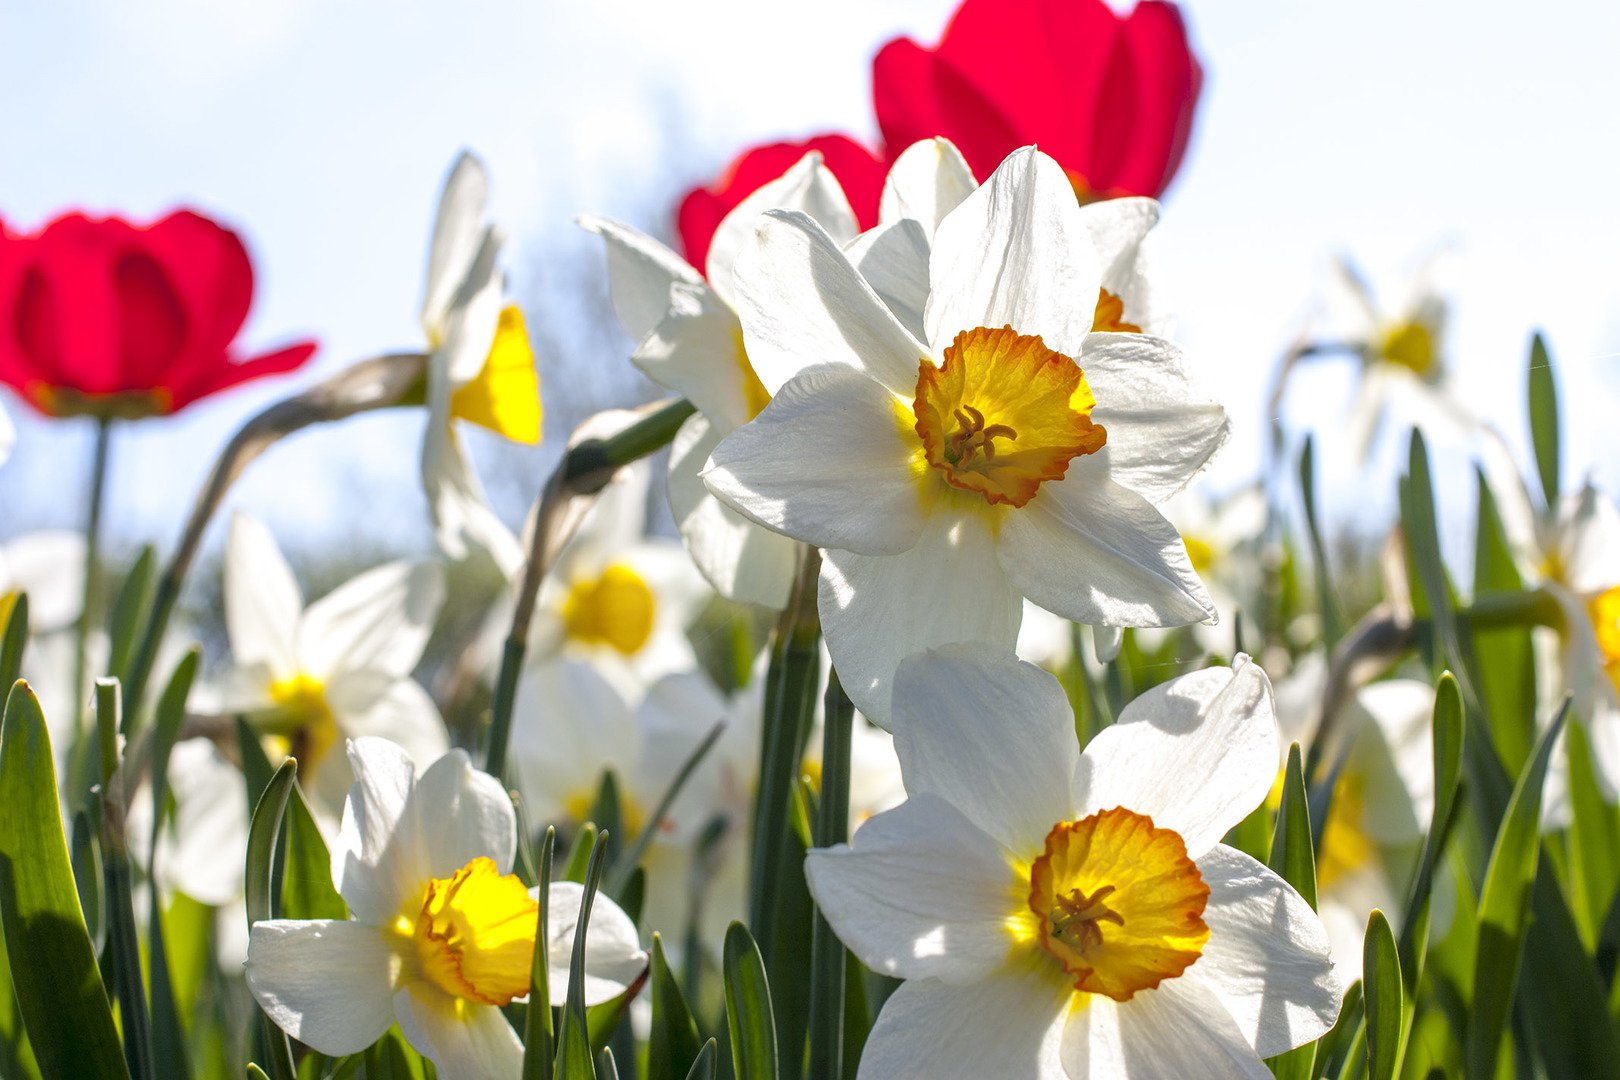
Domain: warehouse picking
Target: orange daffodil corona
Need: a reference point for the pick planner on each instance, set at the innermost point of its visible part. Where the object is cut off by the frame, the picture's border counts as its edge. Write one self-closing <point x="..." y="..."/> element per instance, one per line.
<point x="1059" y="914"/>
<point x="442" y="932"/>
<point x="1007" y="451"/>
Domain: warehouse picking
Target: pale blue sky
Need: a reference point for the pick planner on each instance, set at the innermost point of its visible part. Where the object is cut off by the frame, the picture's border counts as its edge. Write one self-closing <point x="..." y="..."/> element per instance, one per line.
<point x="323" y="129"/>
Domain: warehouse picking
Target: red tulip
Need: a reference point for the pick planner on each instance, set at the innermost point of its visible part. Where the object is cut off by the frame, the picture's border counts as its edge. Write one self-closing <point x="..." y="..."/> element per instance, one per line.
<point x="1110" y="97"/>
<point x="858" y="170"/>
<point x="102" y="317"/>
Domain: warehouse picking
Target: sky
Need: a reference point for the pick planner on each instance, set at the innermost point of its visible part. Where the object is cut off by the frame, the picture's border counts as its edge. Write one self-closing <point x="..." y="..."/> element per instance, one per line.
<point x="1386" y="130"/>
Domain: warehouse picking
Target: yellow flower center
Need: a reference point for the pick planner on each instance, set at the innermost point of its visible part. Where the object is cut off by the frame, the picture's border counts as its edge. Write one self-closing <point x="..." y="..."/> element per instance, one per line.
<point x="1004" y="413"/>
<point x="755" y="396"/>
<point x="615" y="609"/>
<point x="1409" y="344"/>
<point x="579" y="804"/>
<point x="1110" y="315"/>
<point x="1346" y="847"/>
<point x="1120" y="904"/>
<point x="1200" y="552"/>
<point x="474" y="933"/>
<point x="505" y="394"/>
<point x="1604" y="608"/>
<point x="312" y="730"/>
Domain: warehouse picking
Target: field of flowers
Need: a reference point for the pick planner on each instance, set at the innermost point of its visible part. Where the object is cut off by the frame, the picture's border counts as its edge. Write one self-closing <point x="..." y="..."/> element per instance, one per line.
<point x="955" y="729"/>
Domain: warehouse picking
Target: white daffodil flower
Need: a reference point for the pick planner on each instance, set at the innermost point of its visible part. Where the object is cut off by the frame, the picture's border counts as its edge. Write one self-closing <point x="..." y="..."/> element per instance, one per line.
<point x="690" y="341"/>
<point x="49" y="567"/>
<point x="1061" y="914"/>
<point x="1016" y="454"/>
<point x="570" y="725"/>
<point x="339" y="668"/>
<point x="480" y="367"/>
<point x="441" y="934"/>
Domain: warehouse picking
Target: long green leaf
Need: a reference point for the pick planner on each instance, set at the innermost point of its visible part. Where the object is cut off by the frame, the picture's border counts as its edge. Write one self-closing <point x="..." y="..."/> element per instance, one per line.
<point x="1504" y="905"/>
<point x="1543" y="400"/>
<point x="749" y="1015"/>
<point x="828" y="964"/>
<point x="53" y="968"/>
<point x="168" y="1032"/>
<point x="1562" y="1002"/>
<point x="1327" y="599"/>
<point x="1507" y="675"/>
<point x="1447" y="729"/>
<point x="574" y="1059"/>
<point x="538" y="1049"/>
<point x="128" y="612"/>
<point x="672" y="1044"/>
<point x="1381" y="985"/>
<point x="1294" y="859"/>
<point x="707" y="1064"/>
<point x="307" y="891"/>
<point x="261" y="894"/>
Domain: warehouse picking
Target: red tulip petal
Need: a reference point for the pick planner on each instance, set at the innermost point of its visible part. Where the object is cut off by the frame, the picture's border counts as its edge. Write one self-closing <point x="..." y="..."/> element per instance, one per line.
<point x="211" y="268"/>
<point x="228" y="373"/>
<point x="1166" y="80"/>
<point x="152" y="320"/>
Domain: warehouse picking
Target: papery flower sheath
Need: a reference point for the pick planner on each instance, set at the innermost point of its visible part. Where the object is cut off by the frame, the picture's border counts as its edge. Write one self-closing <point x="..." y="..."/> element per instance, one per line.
<point x="858" y="171"/>
<point x="442" y="932"/>
<point x="105" y="317"/>
<point x="1068" y="915"/>
<point x="1110" y="96"/>
<point x="1010" y="451"/>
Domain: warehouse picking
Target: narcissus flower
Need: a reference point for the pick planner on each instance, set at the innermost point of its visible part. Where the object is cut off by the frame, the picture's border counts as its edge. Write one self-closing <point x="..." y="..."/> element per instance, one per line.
<point x="1111" y="97"/>
<point x="341" y="667"/>
<point x="1059" y="914"/>
<point x="691" y="342"/>
<point x="480" y="367"/>
<point x="856" y="169"/>
<point x="1017" y="453"/>
<point x="103" y="317"/>
<point x="442" y="932"/>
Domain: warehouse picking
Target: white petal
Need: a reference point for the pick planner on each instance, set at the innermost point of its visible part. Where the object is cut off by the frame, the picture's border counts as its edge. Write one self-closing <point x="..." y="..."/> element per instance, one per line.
<point x="989" y="734"/>
<point x="569" y="724"/>
<point x="472" y="318"/>
<point x="926" y="182"/>
<point x="462" y="516"/>
<point x="1095" y="552"/>
<point x="696" y="350"/>
<point x="640" y="272"/>
<point x="876" y="610"/>
<point x="1394" y="759"/>
<point x="377" y="856"/>
<point x="465" y="814"/>
<point x="457" y="232"/>
<point x="464" y="1040"/>
<point x="1266" y="960"/>
<point x="1009" y="1027"/>
<point x="803" y="305"/>
<point x="808" y="187"/>
<point x="1177" y="1030"/>
<point x="262" y="601"/>
<point x="1588" y="541"/>
<point x="1015" y="253"/>
<point x="1044" y="638"/>
<point x="675" y="716"/>
<point x="210" y="824"/>
<point x="1195" y="754"/>
<point x="893" y="258"/>
<point x="327" y="983"/>
<point x="1119" y="230"/>
<point x="374" y="703"/>
<point x="377" y="621"/>
<point x="1162" y="429"/>
<point x="829" y="462"/>
<point x="613" y="955"/>
<point x="922" y="893"/>
<point x="49" y="566"/>
<point x="744" y="562"/>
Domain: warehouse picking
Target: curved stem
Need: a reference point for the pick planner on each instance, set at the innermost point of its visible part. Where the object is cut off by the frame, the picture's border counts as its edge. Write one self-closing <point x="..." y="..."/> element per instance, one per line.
<point x="92" y="557"/>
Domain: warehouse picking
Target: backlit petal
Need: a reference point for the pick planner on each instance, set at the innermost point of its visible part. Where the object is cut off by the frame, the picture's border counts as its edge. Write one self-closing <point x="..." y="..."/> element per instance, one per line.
<point x="327" y="983"/>
<point x="262" y="601"/>
<point x="614" y="958"/>
<point x="462" y="1039"/>
<point x="379" y="621"/>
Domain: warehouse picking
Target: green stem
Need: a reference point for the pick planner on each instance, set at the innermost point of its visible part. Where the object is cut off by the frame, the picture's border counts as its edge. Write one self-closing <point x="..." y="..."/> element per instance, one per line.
<point x="92" y="558"/>
<point x="829" y="962"/>
<point x="583" y="471"/>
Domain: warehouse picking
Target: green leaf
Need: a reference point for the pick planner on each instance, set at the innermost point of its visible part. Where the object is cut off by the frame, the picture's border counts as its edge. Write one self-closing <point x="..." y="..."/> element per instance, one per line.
<point x="707" y="1064"/>
<point x="260" y="892"/>
<point x="1334" y="1048"/>
<point x="1504" y="904"/>
<point x="537" y="1035"/>
<point x="1594" y="841"/>
<point x="672" y="1044"/>
<point x="123" y="947"/>
<point x="168" y="1031"/>
<point x="749" y="1016"/>
<point x="53" y="968"/>
<point x="128" y="614"/>
<point x="1447" y="729"/>
<point x="1294" y="859"/>
<point x="1507" y="675"/>
<point x="1327" y="599"/>
<point x="1544" y="419"/>
<point x="14" y="615"/>
<point x="828" y="956"/>
<point x="605" y="1067"/>
<point x="307" y="891"/>
<point x="579" y="855"/>
<point x="1568" y="1022"/>
<point x="574" y="1061"/>
<point x="1381" y="985"/>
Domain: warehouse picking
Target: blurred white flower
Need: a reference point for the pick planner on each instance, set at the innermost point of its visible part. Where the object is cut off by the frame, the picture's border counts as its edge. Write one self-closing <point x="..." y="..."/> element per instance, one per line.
<point x="8" y="436"/>
<point x="1057" y="913"/>
<point x="480" y="367"/>
<point x="49" y="567"/>
<point x="441" y="934"/>
<point x="690" y="340"/>
<point x="951" y="480"/>
<point x="339" y="668"/>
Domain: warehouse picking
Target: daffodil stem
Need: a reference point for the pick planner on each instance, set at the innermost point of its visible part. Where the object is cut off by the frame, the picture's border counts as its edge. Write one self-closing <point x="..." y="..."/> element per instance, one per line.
<point x="583" y="472"/>
<point x="829" y="964"/>
<point x="100" y="458"/>
<point x="380" y="382"/>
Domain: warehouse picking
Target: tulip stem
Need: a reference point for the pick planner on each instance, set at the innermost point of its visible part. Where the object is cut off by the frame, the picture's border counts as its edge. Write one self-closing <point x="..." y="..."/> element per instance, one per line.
<point x="584" y="471"/>
<point x="100" y="458"/>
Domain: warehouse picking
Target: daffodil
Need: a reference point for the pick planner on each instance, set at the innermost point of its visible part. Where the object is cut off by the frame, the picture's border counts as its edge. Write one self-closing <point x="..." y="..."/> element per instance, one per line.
<point x="689" y="340"/>
<point x="48" y="565"/>
<point x="1015" y="454"/>
<point x="441" y="934"/>
<point x="1062" y="914"/>
<point x="480" y="367"/>
<point x="341" y="667"/>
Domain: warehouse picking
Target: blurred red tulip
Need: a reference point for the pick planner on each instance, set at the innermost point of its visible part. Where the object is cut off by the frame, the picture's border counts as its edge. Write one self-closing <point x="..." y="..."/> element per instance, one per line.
<point x="1110" y="97"/>
<point x="102" y="317"/>
<point x="858" y="170"/>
